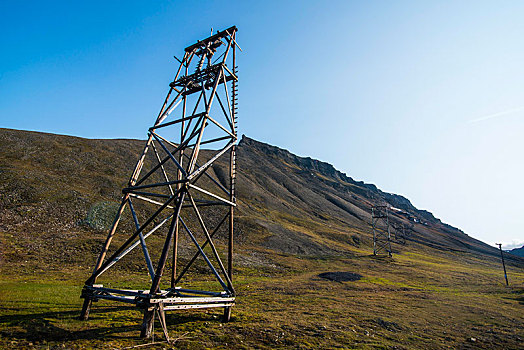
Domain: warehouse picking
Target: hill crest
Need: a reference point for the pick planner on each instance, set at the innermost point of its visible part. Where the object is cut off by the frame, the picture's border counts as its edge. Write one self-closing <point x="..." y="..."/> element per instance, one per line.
<point x="287" y="203"/>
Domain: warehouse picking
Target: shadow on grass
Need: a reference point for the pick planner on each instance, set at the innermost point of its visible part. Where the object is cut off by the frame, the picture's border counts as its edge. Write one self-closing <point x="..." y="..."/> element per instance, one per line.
<point x="104" y="323"/>
<point x="520" y="298"/>
<point x="45" y="326"/>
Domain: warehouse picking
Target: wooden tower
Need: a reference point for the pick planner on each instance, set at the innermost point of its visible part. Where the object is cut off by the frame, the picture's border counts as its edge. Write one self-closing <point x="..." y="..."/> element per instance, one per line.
<point x="381" y="232"/>
<point x="176" y="189"/>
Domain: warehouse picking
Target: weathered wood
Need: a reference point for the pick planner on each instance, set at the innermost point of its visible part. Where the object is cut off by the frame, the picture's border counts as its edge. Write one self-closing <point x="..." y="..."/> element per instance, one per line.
<point x="221" y="127"/>
<point x="86" y="307"/>
<point x="191" y="292"/>
<point x="163" y="257"/>
<point x="92" y="279"/>
<point x="218" y="35"/>
<point x="186" y="268"/>
<point x="160" y="184"/>
<point x="108" y="240"/>
<point x="204" y="255"/>
<point x="162" y="318"/>
<point x="142" y="241"/>
<point x="227" y="314"/>
<point x="169" y="154"/>
<point x="211" y="244"/>
<point x="134" y="245"/>
<point x="164" y="173"/>
<point x="226" y="113"/>
<point x="231" y="216"/>
<point x="156" y="167"/>
<point x="191" y="300"/>
<point x="129" y="292"/>
<point x="138" y="194"/>
<point x="212" y="195"/>
<point x="381" y="237"/>
<point x="198" y="115"/>
<point x="172" y="189"/>
<point x="147" y="323"/>
<point x="211" y="141"/>
<point x="196" y="306"/>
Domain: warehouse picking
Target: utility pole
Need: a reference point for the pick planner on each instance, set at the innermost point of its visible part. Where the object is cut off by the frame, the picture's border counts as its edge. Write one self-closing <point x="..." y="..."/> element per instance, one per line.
<point x="503" y="264"/>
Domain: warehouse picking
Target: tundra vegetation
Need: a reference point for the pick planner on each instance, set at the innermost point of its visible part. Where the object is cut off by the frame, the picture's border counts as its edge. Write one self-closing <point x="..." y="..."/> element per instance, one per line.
<point x="304" y="273"/>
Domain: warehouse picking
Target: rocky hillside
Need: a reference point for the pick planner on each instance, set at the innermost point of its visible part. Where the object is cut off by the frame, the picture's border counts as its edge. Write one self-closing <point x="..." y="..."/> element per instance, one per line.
<point x="56" y="186"/>
<point x="279" y="181"/>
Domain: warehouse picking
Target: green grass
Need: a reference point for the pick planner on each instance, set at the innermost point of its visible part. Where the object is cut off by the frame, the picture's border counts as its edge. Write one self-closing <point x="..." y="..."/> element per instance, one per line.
<point x="397" y="303"/>
<point x="423" y="298"/>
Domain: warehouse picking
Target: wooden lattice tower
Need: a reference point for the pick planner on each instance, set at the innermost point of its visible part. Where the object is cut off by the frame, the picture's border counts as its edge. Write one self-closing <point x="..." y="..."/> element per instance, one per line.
<point x="381" y="232"/>
<point x="176" y="189"/>
<point x="402" y="231"/>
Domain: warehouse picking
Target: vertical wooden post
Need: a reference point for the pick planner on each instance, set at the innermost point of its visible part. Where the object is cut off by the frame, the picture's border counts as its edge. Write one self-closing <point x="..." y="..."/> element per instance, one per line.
<point x="175" y="256"/>
<point x="232" y="177"/>
<point x="179" y="177"/>
<point x="147" y="323"/>
<point x="389" y="233"/>
<point x="86" y="307"/>
<point x="231" y="216"/>
<point x="232" y="171"/>
<point x="227" y="310"/>
<point x="503" y="263"/>
<point x="374" y="233"/>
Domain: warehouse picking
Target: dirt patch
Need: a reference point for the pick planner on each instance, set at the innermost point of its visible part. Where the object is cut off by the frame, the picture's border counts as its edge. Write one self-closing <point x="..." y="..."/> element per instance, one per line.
<point x="340" y="276"/>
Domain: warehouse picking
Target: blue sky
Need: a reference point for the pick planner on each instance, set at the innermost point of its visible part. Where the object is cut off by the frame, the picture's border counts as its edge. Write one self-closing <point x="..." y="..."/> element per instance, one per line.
<point x="422" y="98"/>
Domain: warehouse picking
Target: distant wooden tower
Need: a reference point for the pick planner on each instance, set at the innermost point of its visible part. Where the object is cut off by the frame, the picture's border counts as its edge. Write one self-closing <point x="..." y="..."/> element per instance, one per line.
<point x="402" y="231"/>
<point x="381" y="232"/>
<point x="174" y="189"/>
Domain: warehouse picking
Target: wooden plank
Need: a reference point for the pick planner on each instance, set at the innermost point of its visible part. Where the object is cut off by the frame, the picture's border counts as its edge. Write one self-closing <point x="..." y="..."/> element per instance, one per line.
<point x="189" y="300"/>
<point x="218" y="35"/>
<point x="198" y="115"/>
<point x="196" y="306"/>
<point x="212" y="195"/>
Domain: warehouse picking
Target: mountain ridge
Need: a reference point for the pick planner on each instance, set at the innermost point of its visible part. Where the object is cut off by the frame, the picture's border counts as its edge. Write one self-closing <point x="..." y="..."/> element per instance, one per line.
<point x="325" y="168"/>
<point x="293" y="204"/>
<point x="517" y="251"/>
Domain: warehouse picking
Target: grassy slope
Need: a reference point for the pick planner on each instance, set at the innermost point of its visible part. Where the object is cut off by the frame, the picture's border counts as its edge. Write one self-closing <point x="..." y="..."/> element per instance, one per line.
<point x="290" y="229"/>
